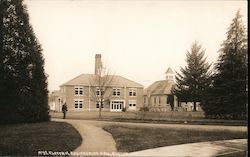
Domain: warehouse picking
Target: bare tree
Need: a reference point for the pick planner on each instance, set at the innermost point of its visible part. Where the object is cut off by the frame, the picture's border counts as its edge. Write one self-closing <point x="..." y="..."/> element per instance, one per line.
<point x="100" y="88"/>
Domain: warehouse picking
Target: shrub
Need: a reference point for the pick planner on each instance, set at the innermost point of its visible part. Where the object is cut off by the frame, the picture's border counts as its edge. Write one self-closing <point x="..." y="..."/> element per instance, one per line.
<point x="144" y="109"/>
<point x="124" y="109"/>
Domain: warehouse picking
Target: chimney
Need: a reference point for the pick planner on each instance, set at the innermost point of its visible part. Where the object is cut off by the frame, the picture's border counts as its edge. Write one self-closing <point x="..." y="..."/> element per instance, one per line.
<point x="98" y="64"/>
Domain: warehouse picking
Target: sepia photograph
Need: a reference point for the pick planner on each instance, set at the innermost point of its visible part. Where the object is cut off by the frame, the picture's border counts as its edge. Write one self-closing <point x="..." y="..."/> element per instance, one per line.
<point x="124" y="78"/>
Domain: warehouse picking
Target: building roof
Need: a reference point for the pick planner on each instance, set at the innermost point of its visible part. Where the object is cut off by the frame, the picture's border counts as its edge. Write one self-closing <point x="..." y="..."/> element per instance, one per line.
<point x="169" y="71"/>
<point x="160" y="87"/>
<point x="92" y="80"/>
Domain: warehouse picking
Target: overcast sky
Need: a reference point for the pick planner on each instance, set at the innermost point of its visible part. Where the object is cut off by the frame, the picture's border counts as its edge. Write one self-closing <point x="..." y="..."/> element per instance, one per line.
<point x="138" y="39"/>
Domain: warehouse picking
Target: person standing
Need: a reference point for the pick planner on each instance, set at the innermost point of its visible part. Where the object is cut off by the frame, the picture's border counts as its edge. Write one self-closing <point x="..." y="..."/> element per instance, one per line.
<point x="64" y="110"/>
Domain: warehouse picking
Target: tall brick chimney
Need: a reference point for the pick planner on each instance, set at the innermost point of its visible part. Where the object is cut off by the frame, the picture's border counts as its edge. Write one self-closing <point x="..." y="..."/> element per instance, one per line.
<point x="98" y="64"/>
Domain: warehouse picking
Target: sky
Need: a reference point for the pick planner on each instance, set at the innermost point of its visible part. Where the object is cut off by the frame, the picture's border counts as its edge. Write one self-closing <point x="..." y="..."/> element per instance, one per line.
<point x="137" y="39"/>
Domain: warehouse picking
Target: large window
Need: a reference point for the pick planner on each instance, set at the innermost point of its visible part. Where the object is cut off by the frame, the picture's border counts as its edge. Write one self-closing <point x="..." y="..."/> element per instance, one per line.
<point x="98" y="103"/>
<point x="116" y="106"/>
<point x="78" y="90"/>
<point x="78" y="103"/>
<point x="116" y="91"/>
<point x="132" y="92"/>
<point x="99" y="91"/>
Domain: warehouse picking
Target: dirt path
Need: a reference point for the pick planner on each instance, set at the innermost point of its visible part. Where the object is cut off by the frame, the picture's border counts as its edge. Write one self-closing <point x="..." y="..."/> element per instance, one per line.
<point x="95" y="139"/>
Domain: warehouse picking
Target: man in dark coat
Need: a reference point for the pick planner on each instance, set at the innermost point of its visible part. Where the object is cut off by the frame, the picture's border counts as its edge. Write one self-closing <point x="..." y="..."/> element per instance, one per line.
<point x="64" y="110"/>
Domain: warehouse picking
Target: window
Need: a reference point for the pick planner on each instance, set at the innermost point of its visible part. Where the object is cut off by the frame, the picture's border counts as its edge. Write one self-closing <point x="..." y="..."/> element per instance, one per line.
<point x="116" y="91"/>
<point x="154" y="100"/>
<point x="98" y="103"/>
<point x="132" y="104"/>
<point x="99" y="91"/>
<point x="132" y="92"/>
<point x="78" y="90"/>
<point x="116" y="106"/>
<point x="170" y="77"/>
<point x="159" y="100"/>
<point x="78" y="103"/>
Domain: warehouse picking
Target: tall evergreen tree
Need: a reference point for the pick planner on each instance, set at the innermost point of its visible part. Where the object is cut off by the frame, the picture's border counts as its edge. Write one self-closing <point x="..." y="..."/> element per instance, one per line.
<point x="24" y="94"/>
<point x="194" y="78"/>
<point x="1" y="50"/>
<point x="228" y="96"/>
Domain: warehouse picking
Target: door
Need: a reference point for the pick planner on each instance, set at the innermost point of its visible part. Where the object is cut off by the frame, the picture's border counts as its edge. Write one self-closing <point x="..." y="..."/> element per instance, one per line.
<point x="116" y="106"/>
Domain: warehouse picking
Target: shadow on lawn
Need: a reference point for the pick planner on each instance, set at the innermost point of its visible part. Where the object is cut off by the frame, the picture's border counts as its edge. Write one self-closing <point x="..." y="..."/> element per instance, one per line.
<point x="28" y="139"/>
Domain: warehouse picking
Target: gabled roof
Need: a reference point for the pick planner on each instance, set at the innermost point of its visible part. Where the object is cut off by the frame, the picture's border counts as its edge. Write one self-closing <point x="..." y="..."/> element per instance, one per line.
<point x="169" y="71"/>
<point x="124" y="82"/>
<point x="160" y="87"/>
<point x="91" y="79"/>
<point x="83" y="79"/>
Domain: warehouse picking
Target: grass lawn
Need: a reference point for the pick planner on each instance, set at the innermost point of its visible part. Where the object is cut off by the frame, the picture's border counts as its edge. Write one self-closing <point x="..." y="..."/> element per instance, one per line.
<point x="132" y="117"/>
<point x="28" y="139"/>
<point x="135" y="138"/>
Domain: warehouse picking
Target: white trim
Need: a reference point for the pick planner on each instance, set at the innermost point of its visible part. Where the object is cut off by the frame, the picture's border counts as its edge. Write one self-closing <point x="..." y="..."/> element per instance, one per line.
<point x="78" y="101"/>
<point x="170" y="76"/>
<point x="117" y="103"/>
<point x="132" y="105"/>
<point x="79" y="90"/>
<point x="100" y="91"/>
<point x="99" y="103"/>
<point x="133" y="92"/>
<point x="116" y="90"/>
<point x="125" y="96"/>
<point x="89" y="98"/>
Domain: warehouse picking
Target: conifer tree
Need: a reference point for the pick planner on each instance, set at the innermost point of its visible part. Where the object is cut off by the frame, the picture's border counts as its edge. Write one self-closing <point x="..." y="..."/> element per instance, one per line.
<point x="228" y="96"/>
<point x="1" y="51"/>
<point x="194" y="78"/>
<point x="24" y="94"/>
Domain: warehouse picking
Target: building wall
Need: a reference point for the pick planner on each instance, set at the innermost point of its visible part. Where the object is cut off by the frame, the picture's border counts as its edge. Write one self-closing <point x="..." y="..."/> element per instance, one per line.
<point x="57" y="102"/>
<point x="89" y="99"/>
<point x="138" y="98"/>
<point x="54" y="102"/>
<point x="152" y="102"/>
<point x="70" y="98"/>
<point x="158" y="103"/>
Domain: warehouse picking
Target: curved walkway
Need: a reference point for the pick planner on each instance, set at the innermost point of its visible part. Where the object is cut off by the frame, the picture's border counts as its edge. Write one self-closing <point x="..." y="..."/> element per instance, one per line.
<point x="95" y="139"/>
